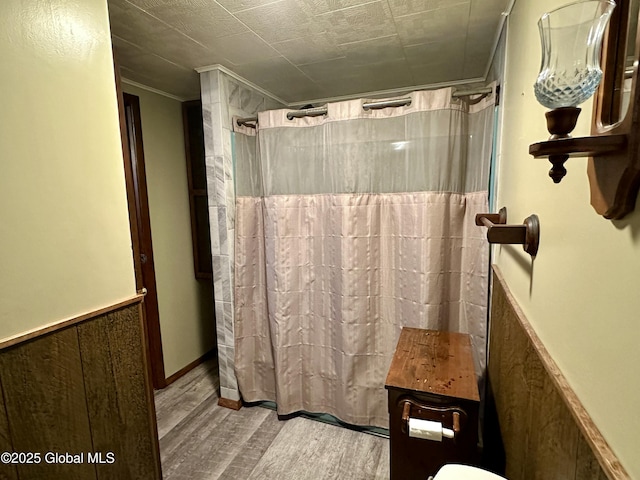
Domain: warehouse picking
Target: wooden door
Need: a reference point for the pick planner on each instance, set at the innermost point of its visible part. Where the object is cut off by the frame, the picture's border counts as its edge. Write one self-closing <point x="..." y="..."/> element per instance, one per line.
<point x="133" y="153"/>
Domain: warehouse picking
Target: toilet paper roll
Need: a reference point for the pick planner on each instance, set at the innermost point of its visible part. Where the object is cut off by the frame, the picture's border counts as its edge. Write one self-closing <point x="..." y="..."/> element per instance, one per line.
<point x="425" y="429"/>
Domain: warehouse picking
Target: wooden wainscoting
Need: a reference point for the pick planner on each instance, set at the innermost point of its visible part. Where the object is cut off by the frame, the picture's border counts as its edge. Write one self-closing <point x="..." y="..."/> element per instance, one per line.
<point x="546" y="432"/>
<point x="78" y="387"/>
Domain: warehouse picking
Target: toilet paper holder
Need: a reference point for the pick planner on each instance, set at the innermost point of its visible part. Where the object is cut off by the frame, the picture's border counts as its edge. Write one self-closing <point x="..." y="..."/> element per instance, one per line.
<point x="453" y="416"/>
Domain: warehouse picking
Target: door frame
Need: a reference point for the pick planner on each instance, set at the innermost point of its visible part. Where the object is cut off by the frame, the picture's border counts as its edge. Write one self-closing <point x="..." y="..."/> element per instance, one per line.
<point x="140" y="225"/>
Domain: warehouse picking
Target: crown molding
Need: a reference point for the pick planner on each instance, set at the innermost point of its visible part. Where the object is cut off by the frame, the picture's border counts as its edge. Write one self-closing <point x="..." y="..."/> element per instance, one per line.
<point x="223" y="69"/>
<point x="153" y="90"/>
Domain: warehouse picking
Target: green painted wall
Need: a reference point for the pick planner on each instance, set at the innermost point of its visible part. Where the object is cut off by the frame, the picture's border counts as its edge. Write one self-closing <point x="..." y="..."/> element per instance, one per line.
<point x="582" y="291"/>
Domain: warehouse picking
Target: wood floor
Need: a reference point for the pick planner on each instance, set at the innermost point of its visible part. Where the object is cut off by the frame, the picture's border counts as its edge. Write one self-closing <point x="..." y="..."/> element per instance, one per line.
<point x="201" y="441"/>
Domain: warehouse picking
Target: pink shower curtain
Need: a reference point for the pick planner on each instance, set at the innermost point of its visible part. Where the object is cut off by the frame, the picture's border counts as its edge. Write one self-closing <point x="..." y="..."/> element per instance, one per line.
<point x="348" y="227"/>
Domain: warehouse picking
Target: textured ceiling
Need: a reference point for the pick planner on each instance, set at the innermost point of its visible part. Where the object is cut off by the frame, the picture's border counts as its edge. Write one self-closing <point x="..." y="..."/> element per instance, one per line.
<point x="305" y="49"/>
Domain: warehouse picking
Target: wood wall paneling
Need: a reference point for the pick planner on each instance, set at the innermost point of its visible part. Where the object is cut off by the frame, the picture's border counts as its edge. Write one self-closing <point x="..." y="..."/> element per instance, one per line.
<point x="552" y="439"/>
<point x="507" y="383"/>
<point x="545" y="430"/>
<point x="587" y="465"/>
<point x="118" y="396"/>
<point x="45" y="402"/>
<point x="81" y="387"/>
<point x="7" y="471"/>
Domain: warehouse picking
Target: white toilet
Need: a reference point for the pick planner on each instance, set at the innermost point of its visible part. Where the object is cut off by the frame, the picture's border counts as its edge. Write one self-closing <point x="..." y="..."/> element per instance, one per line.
<point x="465" y="472"/>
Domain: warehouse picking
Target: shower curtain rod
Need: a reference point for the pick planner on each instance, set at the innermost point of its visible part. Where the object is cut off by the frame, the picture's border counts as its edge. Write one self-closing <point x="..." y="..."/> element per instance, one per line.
<point x="400" y="102"/>
<point x="476" y="91"/>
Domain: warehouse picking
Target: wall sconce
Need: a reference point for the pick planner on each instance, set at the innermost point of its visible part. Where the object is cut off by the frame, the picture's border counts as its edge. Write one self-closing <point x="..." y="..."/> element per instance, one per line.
<point x="570" y="72"/>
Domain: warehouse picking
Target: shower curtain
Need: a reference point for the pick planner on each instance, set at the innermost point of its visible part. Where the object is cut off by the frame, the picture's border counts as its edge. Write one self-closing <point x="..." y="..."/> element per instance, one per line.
<point x="350" y="226"/>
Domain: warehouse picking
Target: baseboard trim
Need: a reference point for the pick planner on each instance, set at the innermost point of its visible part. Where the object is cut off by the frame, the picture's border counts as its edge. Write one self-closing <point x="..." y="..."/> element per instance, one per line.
<point x="232" y="404"/>
<point x="186" y="369"/>
<point x="54" y="327"/>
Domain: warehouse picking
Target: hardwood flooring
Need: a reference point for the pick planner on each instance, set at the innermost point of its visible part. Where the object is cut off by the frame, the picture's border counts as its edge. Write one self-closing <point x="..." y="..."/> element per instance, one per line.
<point x="201" y="441"/>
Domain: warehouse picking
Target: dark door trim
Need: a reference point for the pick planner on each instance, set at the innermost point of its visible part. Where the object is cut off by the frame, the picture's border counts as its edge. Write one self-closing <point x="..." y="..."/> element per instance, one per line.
<point x="136" y="156"/>
<point x="140" y="224"/>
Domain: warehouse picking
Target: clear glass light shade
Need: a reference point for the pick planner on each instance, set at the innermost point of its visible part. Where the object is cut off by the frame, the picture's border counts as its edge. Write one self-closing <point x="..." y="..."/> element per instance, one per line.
<point x="571" y="42"/>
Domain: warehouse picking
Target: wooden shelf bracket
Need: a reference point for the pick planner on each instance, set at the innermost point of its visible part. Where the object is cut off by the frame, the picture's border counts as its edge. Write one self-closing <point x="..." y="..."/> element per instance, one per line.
<point x="527" y="234"/>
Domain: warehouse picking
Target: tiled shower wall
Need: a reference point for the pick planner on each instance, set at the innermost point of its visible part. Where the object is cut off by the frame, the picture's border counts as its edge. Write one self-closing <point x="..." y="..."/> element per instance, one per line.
<point x="222" y="98"/>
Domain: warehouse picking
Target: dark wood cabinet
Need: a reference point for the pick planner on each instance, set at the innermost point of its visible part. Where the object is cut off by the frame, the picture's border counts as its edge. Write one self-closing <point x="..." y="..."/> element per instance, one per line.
<point x="432" y="378"/>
